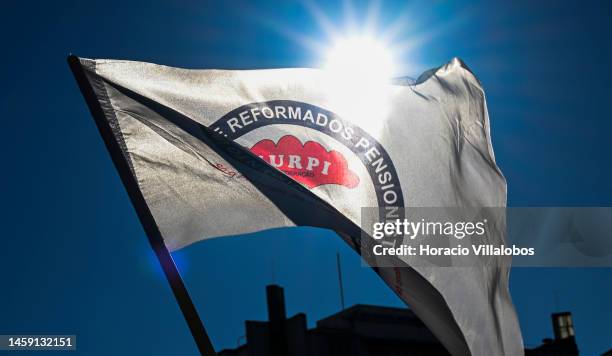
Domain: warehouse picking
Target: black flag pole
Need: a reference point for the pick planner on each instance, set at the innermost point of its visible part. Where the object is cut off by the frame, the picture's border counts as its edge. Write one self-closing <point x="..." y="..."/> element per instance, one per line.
<point x="100" y="112"/>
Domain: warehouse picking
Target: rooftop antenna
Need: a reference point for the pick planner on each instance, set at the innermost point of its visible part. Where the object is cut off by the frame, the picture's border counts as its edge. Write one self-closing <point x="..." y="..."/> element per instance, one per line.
<point x="340" y="280"/>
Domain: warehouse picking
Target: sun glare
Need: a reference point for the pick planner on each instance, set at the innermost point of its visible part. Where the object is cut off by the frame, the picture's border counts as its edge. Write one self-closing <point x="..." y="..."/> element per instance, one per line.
<point x="361" y="57"/>
<point x="359" y="69"/>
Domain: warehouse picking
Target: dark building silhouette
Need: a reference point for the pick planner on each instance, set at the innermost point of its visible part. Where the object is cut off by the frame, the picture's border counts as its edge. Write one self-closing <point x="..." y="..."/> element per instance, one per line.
<point x="359" y="330"/>
<point x="564" y="343"/>
<point x="365" y="330"/>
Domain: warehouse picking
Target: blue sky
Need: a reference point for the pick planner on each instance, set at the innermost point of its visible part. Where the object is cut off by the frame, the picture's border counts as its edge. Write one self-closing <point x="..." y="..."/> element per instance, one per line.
<point x="75" y="259"/>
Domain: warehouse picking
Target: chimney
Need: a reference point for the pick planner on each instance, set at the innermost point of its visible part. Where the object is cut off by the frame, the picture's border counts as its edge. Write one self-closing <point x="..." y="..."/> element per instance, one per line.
<point x="563" y="326"/>
<point x="277" y="316"/>
<point x="276" y="303"/>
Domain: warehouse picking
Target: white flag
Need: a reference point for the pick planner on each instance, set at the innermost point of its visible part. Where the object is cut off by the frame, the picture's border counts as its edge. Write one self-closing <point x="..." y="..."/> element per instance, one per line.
<point x="216" y="152"/>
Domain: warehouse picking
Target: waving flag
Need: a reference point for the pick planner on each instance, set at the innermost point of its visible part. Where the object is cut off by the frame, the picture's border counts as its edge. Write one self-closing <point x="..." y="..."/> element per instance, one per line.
<point x="207" y="153"/>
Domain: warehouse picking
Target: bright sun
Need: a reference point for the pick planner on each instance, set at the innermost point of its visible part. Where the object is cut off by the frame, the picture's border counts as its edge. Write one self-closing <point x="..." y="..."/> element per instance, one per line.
<point x="360" y="68"/>
<point x="360" y="57"/>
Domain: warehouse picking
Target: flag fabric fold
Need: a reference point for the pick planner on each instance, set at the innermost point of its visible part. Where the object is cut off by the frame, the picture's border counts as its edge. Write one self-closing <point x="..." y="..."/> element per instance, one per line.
<point x="211" y="153"/>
